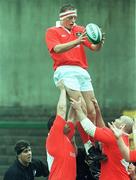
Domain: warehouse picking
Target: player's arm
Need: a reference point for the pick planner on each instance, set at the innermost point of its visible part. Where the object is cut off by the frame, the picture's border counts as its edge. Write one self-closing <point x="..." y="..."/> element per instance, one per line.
<point x="60" y="48"/>
<point x="132" y="171"/>
<point x="62" y="108"/>
<point x="97" y="47"/>
<point x="69" y="128"/>
<point x="55" y="136"/>
<point x="124" y="149"/>
<point x="118" y="134"/>
<point x="87" y="125"/>
<point x="72" y="119"/>
<point x="95" y="132"/>
<point x="62" y="103"/>
<point x="71" y="115"/>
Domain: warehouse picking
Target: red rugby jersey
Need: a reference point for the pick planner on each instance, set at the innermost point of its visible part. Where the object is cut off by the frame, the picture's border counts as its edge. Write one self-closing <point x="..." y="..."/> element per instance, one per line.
<point x="115" y="168"/>
<point x="61" y="153"/>
<point x="75" y="56"/>
<point x="133" y="155"/>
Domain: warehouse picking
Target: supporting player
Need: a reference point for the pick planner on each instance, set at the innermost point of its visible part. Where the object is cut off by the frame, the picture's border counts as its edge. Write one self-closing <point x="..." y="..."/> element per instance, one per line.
<point x="61" y="151"/>
<point x="115" y="167"/>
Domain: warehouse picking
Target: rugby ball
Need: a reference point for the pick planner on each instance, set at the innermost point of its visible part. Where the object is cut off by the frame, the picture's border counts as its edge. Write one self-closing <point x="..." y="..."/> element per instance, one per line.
<point x="94" y="33"/>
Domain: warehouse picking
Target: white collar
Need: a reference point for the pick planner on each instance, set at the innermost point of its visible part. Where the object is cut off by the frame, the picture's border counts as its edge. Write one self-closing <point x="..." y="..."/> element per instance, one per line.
<point x="58" y="24"/>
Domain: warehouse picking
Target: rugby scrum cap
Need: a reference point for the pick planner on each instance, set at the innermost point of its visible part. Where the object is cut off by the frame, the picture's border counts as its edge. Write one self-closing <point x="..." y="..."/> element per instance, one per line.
<point x="20" y="146"/>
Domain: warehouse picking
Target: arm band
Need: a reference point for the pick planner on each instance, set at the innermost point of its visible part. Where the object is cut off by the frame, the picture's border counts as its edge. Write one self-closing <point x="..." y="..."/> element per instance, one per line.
<point x="88" y="126"/>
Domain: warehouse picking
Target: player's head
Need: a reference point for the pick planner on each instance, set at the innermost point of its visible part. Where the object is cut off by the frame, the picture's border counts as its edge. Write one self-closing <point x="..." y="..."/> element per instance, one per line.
<point x="69" y="130"/>
<point x="23" y="152"/>
<point x="124" y="120"/>
<point x="68" y="15"/>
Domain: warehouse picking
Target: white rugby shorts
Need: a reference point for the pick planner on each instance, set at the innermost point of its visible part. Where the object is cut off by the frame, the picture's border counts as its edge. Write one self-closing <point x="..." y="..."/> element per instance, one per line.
<point x="74" y="77"/>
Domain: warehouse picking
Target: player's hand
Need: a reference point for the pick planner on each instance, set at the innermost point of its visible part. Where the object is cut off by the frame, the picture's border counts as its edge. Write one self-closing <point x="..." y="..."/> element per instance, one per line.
<point x="131" y="170"/>
<point x="76" y="104"/>
<point x="81" y="38"/>
<point x="117" y="132"/>
<point x="95" y="104"/>
<point x="103" y="38"/>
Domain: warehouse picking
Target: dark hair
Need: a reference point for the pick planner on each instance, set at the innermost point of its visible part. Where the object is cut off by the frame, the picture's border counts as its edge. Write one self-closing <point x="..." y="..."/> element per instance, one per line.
<point x="20" y="146"/>
<point x="66" y="7"/>
<point x="51" y="121"/>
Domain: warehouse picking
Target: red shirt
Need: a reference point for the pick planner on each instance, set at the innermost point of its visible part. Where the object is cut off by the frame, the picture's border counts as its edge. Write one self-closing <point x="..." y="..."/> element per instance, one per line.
<point x="115" y="168"/>
<point x="62" y="153"/>
<point x="75" y="56"/>
<point x="133" y="155"/>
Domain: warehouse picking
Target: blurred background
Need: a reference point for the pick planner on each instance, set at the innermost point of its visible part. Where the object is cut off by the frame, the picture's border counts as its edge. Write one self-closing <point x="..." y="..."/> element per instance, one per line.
<point x="27" y="92"/>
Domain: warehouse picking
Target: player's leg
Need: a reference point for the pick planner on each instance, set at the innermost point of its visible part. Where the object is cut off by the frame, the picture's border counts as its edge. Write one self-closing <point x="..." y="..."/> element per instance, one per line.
<point x="88" y="96"/>
<point x="84" y="136"/>
<point x="76" y="95"/>
<point x="74" y="78"/>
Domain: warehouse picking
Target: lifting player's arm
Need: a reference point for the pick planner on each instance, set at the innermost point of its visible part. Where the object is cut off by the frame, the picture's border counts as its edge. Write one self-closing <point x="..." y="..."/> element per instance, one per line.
<point x="88" y="126"/>
<point x="62" y="103"/>
<point x="118" y="134"/>
<point x="60" y="48"/>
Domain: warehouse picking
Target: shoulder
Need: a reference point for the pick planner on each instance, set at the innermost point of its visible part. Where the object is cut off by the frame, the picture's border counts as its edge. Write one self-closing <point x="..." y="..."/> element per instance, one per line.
<point x="36" y="162"/>
<point x="53" y="29"/>
<point x="105" y="134"/>
<point x="12" y="171"/>
<point x="59" y="120"/>
<point x="13" y="168"/>
<point x="50" y="28"/>
<point x="57" y="128"/>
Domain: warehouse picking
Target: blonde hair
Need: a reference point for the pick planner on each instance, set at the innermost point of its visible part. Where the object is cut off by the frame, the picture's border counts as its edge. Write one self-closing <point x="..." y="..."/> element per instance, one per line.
<point x="129" y="122"/>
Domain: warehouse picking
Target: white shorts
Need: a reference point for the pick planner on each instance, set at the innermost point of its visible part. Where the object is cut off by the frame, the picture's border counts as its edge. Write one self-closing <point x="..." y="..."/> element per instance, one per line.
<point x="74" y="77"/>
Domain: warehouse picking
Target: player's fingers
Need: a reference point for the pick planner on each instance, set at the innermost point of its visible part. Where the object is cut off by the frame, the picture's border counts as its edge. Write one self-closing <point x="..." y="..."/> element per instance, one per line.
<point x="123" y="126"/>
<point x="73" y="100"/>
<point x="84" y="33"/>
<point x="109" y="124"/>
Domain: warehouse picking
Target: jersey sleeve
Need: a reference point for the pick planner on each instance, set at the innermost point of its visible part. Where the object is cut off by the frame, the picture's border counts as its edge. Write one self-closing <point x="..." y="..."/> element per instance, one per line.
<point x="104" y="135"/>
<point x="132" y="155"/>
<point x="51" y="39"/>
<point x="88" y="44"/>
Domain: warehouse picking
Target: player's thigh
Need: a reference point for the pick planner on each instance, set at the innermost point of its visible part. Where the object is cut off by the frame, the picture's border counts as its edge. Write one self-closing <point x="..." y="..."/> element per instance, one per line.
<point x="76" y="95"/>
<point x="88" y="96"/>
